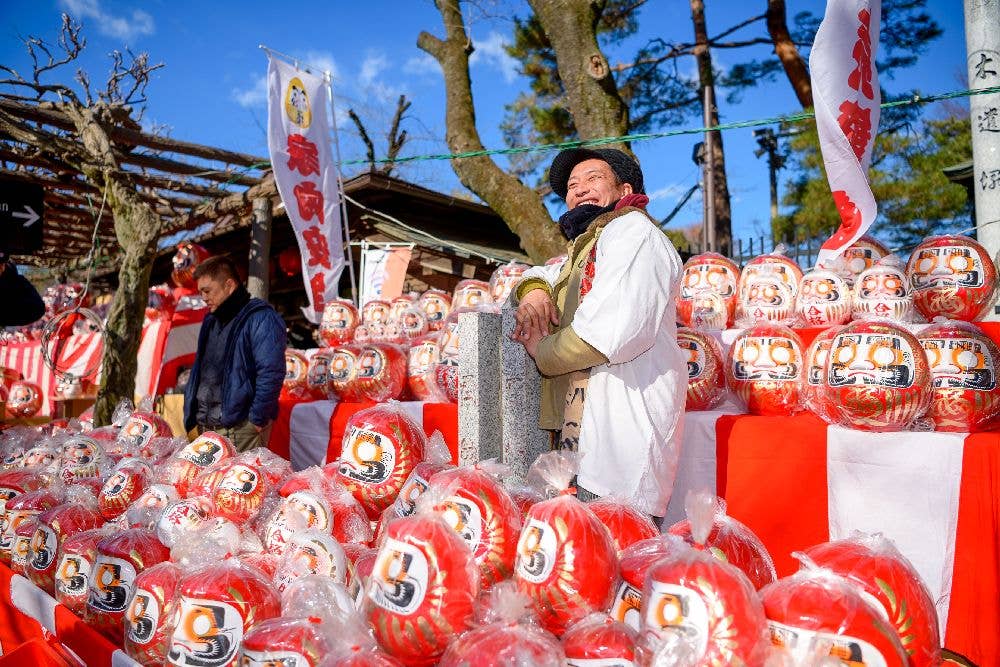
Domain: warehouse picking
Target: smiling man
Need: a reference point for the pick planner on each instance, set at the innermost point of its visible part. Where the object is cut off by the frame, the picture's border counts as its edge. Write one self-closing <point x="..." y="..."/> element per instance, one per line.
<point x="601" y="328"/>
<point x="240" y="363"/>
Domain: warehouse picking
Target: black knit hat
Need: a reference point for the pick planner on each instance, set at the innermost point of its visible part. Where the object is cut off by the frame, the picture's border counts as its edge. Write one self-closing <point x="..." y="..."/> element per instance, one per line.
<point x="626" y="169"/>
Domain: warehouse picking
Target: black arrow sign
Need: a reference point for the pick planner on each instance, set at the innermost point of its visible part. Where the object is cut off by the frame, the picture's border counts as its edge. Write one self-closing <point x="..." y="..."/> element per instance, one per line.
<point x="21" y="211"/>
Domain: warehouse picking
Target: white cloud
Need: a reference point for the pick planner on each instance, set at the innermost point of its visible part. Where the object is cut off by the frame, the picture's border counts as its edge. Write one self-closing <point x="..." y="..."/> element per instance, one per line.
<point x="422" y="65"/>
<point x="373" y="65"/>
<point x="669" y="191"/>
<point x="125" y="26"/>
<point x="253" y="96"/>
<point x="491" y="52"/>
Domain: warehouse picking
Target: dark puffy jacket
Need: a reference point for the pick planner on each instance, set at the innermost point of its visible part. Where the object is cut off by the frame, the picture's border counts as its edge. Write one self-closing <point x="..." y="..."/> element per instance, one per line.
<point x="254" y="363"/>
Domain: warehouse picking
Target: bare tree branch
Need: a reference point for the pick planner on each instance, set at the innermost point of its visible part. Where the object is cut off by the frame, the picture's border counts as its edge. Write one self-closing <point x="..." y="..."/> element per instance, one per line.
<point x="732" y="29"/>
<point x="363" y="133"/>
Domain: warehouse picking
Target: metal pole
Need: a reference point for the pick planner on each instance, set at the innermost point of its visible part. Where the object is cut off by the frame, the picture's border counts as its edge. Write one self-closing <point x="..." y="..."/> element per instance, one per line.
<point x="258" y="281"/>
<point x="772" y="164"/>
<point x="982" y="44"/>
<point x="708" y="105"/>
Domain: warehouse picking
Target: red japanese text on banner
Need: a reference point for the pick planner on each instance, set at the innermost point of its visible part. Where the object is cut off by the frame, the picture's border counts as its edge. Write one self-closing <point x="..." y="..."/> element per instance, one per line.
<point x="847" y="98"/>
<point x="306" y="176"/>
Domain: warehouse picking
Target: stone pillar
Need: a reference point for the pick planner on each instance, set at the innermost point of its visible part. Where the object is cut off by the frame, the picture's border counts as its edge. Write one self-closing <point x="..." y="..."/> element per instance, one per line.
<point x="520" y="400"/>
<point x="258" y="283"/>
<point x="982" y="44"/>
<point x="478" y="387"/>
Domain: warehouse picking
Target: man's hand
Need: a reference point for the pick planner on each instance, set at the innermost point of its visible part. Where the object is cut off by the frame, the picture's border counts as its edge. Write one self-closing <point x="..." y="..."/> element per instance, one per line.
<point x="533" y="317"/>
<point x="261" y="428"/>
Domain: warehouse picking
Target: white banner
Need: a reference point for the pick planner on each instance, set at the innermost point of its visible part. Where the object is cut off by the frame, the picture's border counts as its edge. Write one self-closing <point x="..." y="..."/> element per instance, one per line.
<point x="846" y="97"/>
<point x="299" y="142"/>
<point x="383" y="271"/>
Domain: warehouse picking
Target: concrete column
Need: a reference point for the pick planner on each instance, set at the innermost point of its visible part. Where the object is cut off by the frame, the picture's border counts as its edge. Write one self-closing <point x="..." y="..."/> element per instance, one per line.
<point x="258" y="283"/>
<point x="479" y="425"/>
<point x="520" y="401"/>
<point x="982" y="43"/>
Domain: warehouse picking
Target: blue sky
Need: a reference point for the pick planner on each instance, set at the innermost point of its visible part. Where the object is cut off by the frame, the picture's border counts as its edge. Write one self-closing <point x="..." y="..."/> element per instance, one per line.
<point x="212" y="88"/>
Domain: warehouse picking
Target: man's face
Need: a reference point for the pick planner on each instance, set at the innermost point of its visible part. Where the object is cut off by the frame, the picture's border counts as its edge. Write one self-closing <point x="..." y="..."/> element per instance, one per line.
<point x="214" y="291"/>
<point x="593" y="182"/>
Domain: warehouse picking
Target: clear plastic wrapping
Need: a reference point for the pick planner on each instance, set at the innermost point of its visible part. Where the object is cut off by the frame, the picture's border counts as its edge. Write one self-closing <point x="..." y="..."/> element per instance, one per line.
<point x="318" y="374"/>
<point x="873" y="563"/>
<point x="600" y="639"/>
<point x="823" y="299"/>
<point x="505" y="279"/>
<point x="22" y="509"/>
<point x="708" y="294"/>
<point x="285" y="641"/>
<point x="206" y="450"/>
<point x="340" y="319"/>
<point x="353" y="646"/>
<point x="375" y="311"/>
<point x="625" y="523"/>
<point x="381" y="372"/>
<point x="296" y="375"/>
<point x="344" y="372"/>
<point x="311" y="552"/>
<point x="52" y="529"/>
<point x="126" y="483"/>
<point x="381" y="447"/>
<point x="471" y="294"/>
<point x="965" y="393"/>
<point x="561" y="547"/>
<point x="765" y="369"/>
<point x="237" y="490"/>
<point x="878" y="377"/>
<point x="24" y="399"/>
<point x="135" y="436"/>
<point x="81" y="458"/>
<point x="883" y="291"/>
<point x="698" y="610"/>
<point x="149" y="618"/>
<point x="436" y="304"/>
<point x="814" y="388"/>
<point x="511" y="636"/>
<point x="310" y="500"/>
<point x="952" y="276"/>
<point x="706" y="369"/>
<point x="316" y="596"/>
<point x="860" y="256"/>
<point x="815" y="615"/>
<point x="767" y="289"/>
<point x="76" y="558"/>
<point x="636" y="560"/>
<point x="422" y="360"/>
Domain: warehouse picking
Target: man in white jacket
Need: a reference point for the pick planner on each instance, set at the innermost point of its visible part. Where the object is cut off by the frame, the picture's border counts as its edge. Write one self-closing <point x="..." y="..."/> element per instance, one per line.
<point x="601" y="328"/>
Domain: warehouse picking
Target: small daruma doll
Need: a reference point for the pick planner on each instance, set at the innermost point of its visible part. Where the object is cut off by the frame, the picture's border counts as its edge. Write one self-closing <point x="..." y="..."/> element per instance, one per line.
<point x="877" y="377"/>
<point x="436" y="304"/>
<point x="860" y="256"/>
<point x="963" y="360"/>
<point x="814" y="388"/>
<point x="318" y="374"/>
<point x="823" y="299"/>
<point x="767" y="289"/>
<point x="505" y="279"/>
<point x="705" y="366"/>
<point x="376" y="311"/>
<point x="708" y="291"/>
<point x="765" y="369"/>
<point x="340" y="319"/>
<point x="952" y="276"/>
<point x="147" y="620"/>
<point x="471" y="294"/>
<point x="24" y="399"/>
<point x="296" y="373"/>
<point x="882" y="291"/>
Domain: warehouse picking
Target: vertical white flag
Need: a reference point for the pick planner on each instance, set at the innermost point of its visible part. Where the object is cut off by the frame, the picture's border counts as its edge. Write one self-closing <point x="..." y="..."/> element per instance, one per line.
<point x="299" y="142"/>
<point x="383" y="272"/>
<point x="846" y="97"/>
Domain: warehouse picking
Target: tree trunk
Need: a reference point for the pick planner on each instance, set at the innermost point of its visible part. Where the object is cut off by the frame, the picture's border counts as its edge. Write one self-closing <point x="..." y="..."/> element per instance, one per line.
<point x="788" y="53"/>
<point x="591" y="93"/>
<point x="519" y="206"/>
<point x="706" y="76"/>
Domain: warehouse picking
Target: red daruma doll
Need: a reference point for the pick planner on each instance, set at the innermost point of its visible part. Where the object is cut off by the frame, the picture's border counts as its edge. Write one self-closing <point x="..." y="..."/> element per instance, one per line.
<point x="952" y="276"/>
<point x="203" y="452"/>
<point x="53" y="527"/>
<point x="422" y="589"/>
<point x="436" y="304"/>
<point x="562" y="546"/>
<point x="381" y="372"/>
<point x="380" y="449"/>
<point x="881" y="572"/>
<point x="216" y="606"/>
<point x="471" y="294"/>
<point x="148" y="619"/>
<point x="813" y="390"/>
<point x="77" y="555"/>
<point x="708" y="275"/>
<point x="340" y="319"/>
<point x="295" y="642"/>
<point x="706" y="369"/>
<point x="600" y="640"/>
<point x="626" y="524"/>
<point x="765" y="369"/>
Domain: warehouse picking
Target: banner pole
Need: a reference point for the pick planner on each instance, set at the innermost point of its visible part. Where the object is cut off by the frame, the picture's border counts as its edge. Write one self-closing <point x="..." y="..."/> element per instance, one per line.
<point x="340" y="186"/>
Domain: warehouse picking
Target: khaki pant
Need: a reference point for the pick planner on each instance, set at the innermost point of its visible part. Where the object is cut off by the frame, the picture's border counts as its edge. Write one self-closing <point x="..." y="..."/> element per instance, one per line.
<point x="244" y="435"/>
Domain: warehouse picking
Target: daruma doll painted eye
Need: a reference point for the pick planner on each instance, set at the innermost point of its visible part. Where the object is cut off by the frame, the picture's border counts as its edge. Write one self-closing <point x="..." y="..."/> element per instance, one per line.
<point x="965" y="395"/>
<point x="882" y="292"/>
<point x="706" y="276"/>
<point x="823" y="299"/>
<point x="877" y="377"/>
<point x="952" y="276"/>
<point x="765" y="369"/>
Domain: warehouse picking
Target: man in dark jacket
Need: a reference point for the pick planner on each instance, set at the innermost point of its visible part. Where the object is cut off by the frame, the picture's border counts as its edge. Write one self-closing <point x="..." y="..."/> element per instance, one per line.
<point x="240" y="365"/>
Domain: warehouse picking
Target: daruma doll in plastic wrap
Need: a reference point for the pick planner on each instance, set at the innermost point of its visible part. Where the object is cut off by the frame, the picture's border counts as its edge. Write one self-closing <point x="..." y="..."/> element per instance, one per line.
<point x="343" y="372"/>
<point x="705" y="366"/>
<point x="24" y="399"/>
<point x="77" y="555"/>
<point x="185" y="261"/>
<point x="139" y="430"/>
<point x="696" y="606"/>
<point x="421" y="361"/>
<point x="952" y="276"/>
<point x="281" y="642"/>
<point x="120" y="557"/>
<point x="505" y="279"/>
<point x="635" y="561"/>
<point x="20" y="510"/>
<point x="296" y="374"/>
<point x="814" y="389"/>
<point x="311" y="552"/>
<point x="471" y="294"/>
<point x="600" y="640"/>
<point x="877" y="378"/>
<point x="340" y="319"/>
<point x="479" y="509"/>
<point x="318" y="374"/>
<point x="399" y="305"/>
<point x="413" y="324"/>
<point x="203" y="452"/>
<point x="706" y="276"/>
<point x="882" y="292"/>
<point x="376" y="311"/>
<point x="126" y="483"/>
<point x="778" y="280"/>
<point x="816" y="614"/>
<point x="422" y="589"/>
<point x="148" y="618"/>
<point x="380" y="449"/>
<point x="381" y="372"/>
<point x="765" y="369"/>
<point x="965" y="396"/>
<point x="874" y="564"/>
<point x="52" y="529"/>
<point x="626" y="524"/>
<point x="216" y="606"/>
<point x="436" y="304"/>
<point x="861" y="255"/>
<point x="310" y="501"/>
<point x="239" y="493"/>
<point x="824" y="298"/>
<point x="561" y="547"/>
<point x="81" y="458"/>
